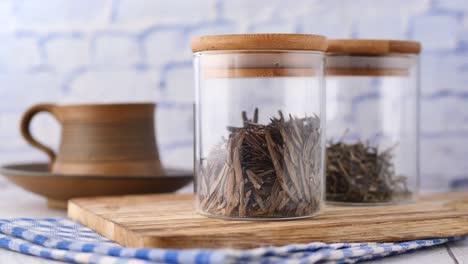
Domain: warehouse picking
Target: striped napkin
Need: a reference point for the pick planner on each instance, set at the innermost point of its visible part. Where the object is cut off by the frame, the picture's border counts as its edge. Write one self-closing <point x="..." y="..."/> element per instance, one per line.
<point x="65" y="240"/>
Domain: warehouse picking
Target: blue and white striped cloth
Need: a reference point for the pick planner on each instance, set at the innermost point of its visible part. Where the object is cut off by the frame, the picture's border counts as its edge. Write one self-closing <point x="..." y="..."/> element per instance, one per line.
<point x="65" y="240"/>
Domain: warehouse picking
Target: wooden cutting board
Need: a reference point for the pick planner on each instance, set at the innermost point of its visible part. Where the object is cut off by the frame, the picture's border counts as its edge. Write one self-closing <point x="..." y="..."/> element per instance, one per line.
<point x="169" y="221"/>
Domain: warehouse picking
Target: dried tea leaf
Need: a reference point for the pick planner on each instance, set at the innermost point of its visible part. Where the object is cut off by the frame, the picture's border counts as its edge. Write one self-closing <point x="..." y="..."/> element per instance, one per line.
<point x="359" y="173"/>
<point x="254" y="179"/>
<point x="268" y="170"/>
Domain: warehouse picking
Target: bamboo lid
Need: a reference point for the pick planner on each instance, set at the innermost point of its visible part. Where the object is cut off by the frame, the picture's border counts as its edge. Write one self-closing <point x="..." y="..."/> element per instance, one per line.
<point x="260" y="42"/>
<point x="373" y="46"/>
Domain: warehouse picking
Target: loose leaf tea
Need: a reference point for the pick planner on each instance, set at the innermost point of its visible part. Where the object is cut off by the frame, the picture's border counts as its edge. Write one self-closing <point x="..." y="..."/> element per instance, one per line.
<point x="264" y="171"/>
<point x="359" y="173"/>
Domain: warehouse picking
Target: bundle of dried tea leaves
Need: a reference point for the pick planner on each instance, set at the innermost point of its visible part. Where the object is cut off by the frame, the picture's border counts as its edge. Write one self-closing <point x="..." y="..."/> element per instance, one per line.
<point x="359" y="173"/>
<point x="264" y="170"/>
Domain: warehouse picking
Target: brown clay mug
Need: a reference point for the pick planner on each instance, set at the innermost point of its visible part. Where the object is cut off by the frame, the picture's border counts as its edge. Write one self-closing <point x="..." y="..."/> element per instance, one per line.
<point x="101" y="139"/>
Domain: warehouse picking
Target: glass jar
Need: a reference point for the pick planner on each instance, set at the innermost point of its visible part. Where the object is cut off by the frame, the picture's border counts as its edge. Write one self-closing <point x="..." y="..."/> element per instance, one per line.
<point x="372" y="121"/>
<point x="259" y="132"/>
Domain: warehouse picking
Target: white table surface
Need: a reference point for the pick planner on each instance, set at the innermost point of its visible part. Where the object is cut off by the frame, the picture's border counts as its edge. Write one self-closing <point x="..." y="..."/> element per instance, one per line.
<point x="15" y="202"/>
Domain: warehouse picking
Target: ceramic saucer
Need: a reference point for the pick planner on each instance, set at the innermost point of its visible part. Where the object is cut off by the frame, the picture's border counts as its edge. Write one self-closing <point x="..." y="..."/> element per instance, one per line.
<point x="59" y="188"/>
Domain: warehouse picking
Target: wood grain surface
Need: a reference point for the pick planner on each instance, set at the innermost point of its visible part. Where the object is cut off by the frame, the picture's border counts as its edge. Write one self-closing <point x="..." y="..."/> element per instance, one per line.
<point x="260" y="42"/>
<point x="170" y="221"/>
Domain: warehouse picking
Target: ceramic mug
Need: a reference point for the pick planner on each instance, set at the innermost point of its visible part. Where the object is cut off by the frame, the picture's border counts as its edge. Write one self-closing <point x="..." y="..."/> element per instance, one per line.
<point x="100" y="139"/>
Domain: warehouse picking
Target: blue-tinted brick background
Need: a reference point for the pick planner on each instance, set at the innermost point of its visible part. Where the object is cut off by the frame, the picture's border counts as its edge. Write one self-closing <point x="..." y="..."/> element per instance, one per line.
<point x="138" y="50"/>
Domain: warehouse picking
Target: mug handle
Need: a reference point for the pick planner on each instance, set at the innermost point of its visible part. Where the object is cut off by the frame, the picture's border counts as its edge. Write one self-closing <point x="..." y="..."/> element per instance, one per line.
<point x="25" y="127"/>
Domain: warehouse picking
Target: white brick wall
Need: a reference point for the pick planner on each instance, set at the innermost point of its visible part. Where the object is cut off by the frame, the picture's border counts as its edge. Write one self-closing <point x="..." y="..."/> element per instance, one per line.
<point x="437" y="31"/>
<point x="139" y="50"/>
<point x="446" y="114"/>
<point x="60" y="14"/>
<point x="19" y="52"/>
<point x="66" y="52"/>
<point x="115" y="49"/>
<point x="164" y="45"/>
<point x="162" y="11"/>
<point x="113" y="86"/>
<point x="177" y="82"/>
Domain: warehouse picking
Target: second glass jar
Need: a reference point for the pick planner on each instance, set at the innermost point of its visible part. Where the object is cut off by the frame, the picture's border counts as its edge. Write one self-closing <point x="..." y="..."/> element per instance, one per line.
<point x="259" y="125"/>
<point x="372" y="121"/>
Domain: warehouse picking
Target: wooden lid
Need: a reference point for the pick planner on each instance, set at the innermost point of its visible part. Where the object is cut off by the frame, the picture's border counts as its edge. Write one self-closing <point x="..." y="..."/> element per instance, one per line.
<point x="260" y="42"/>
<point x="373" y="46"/>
